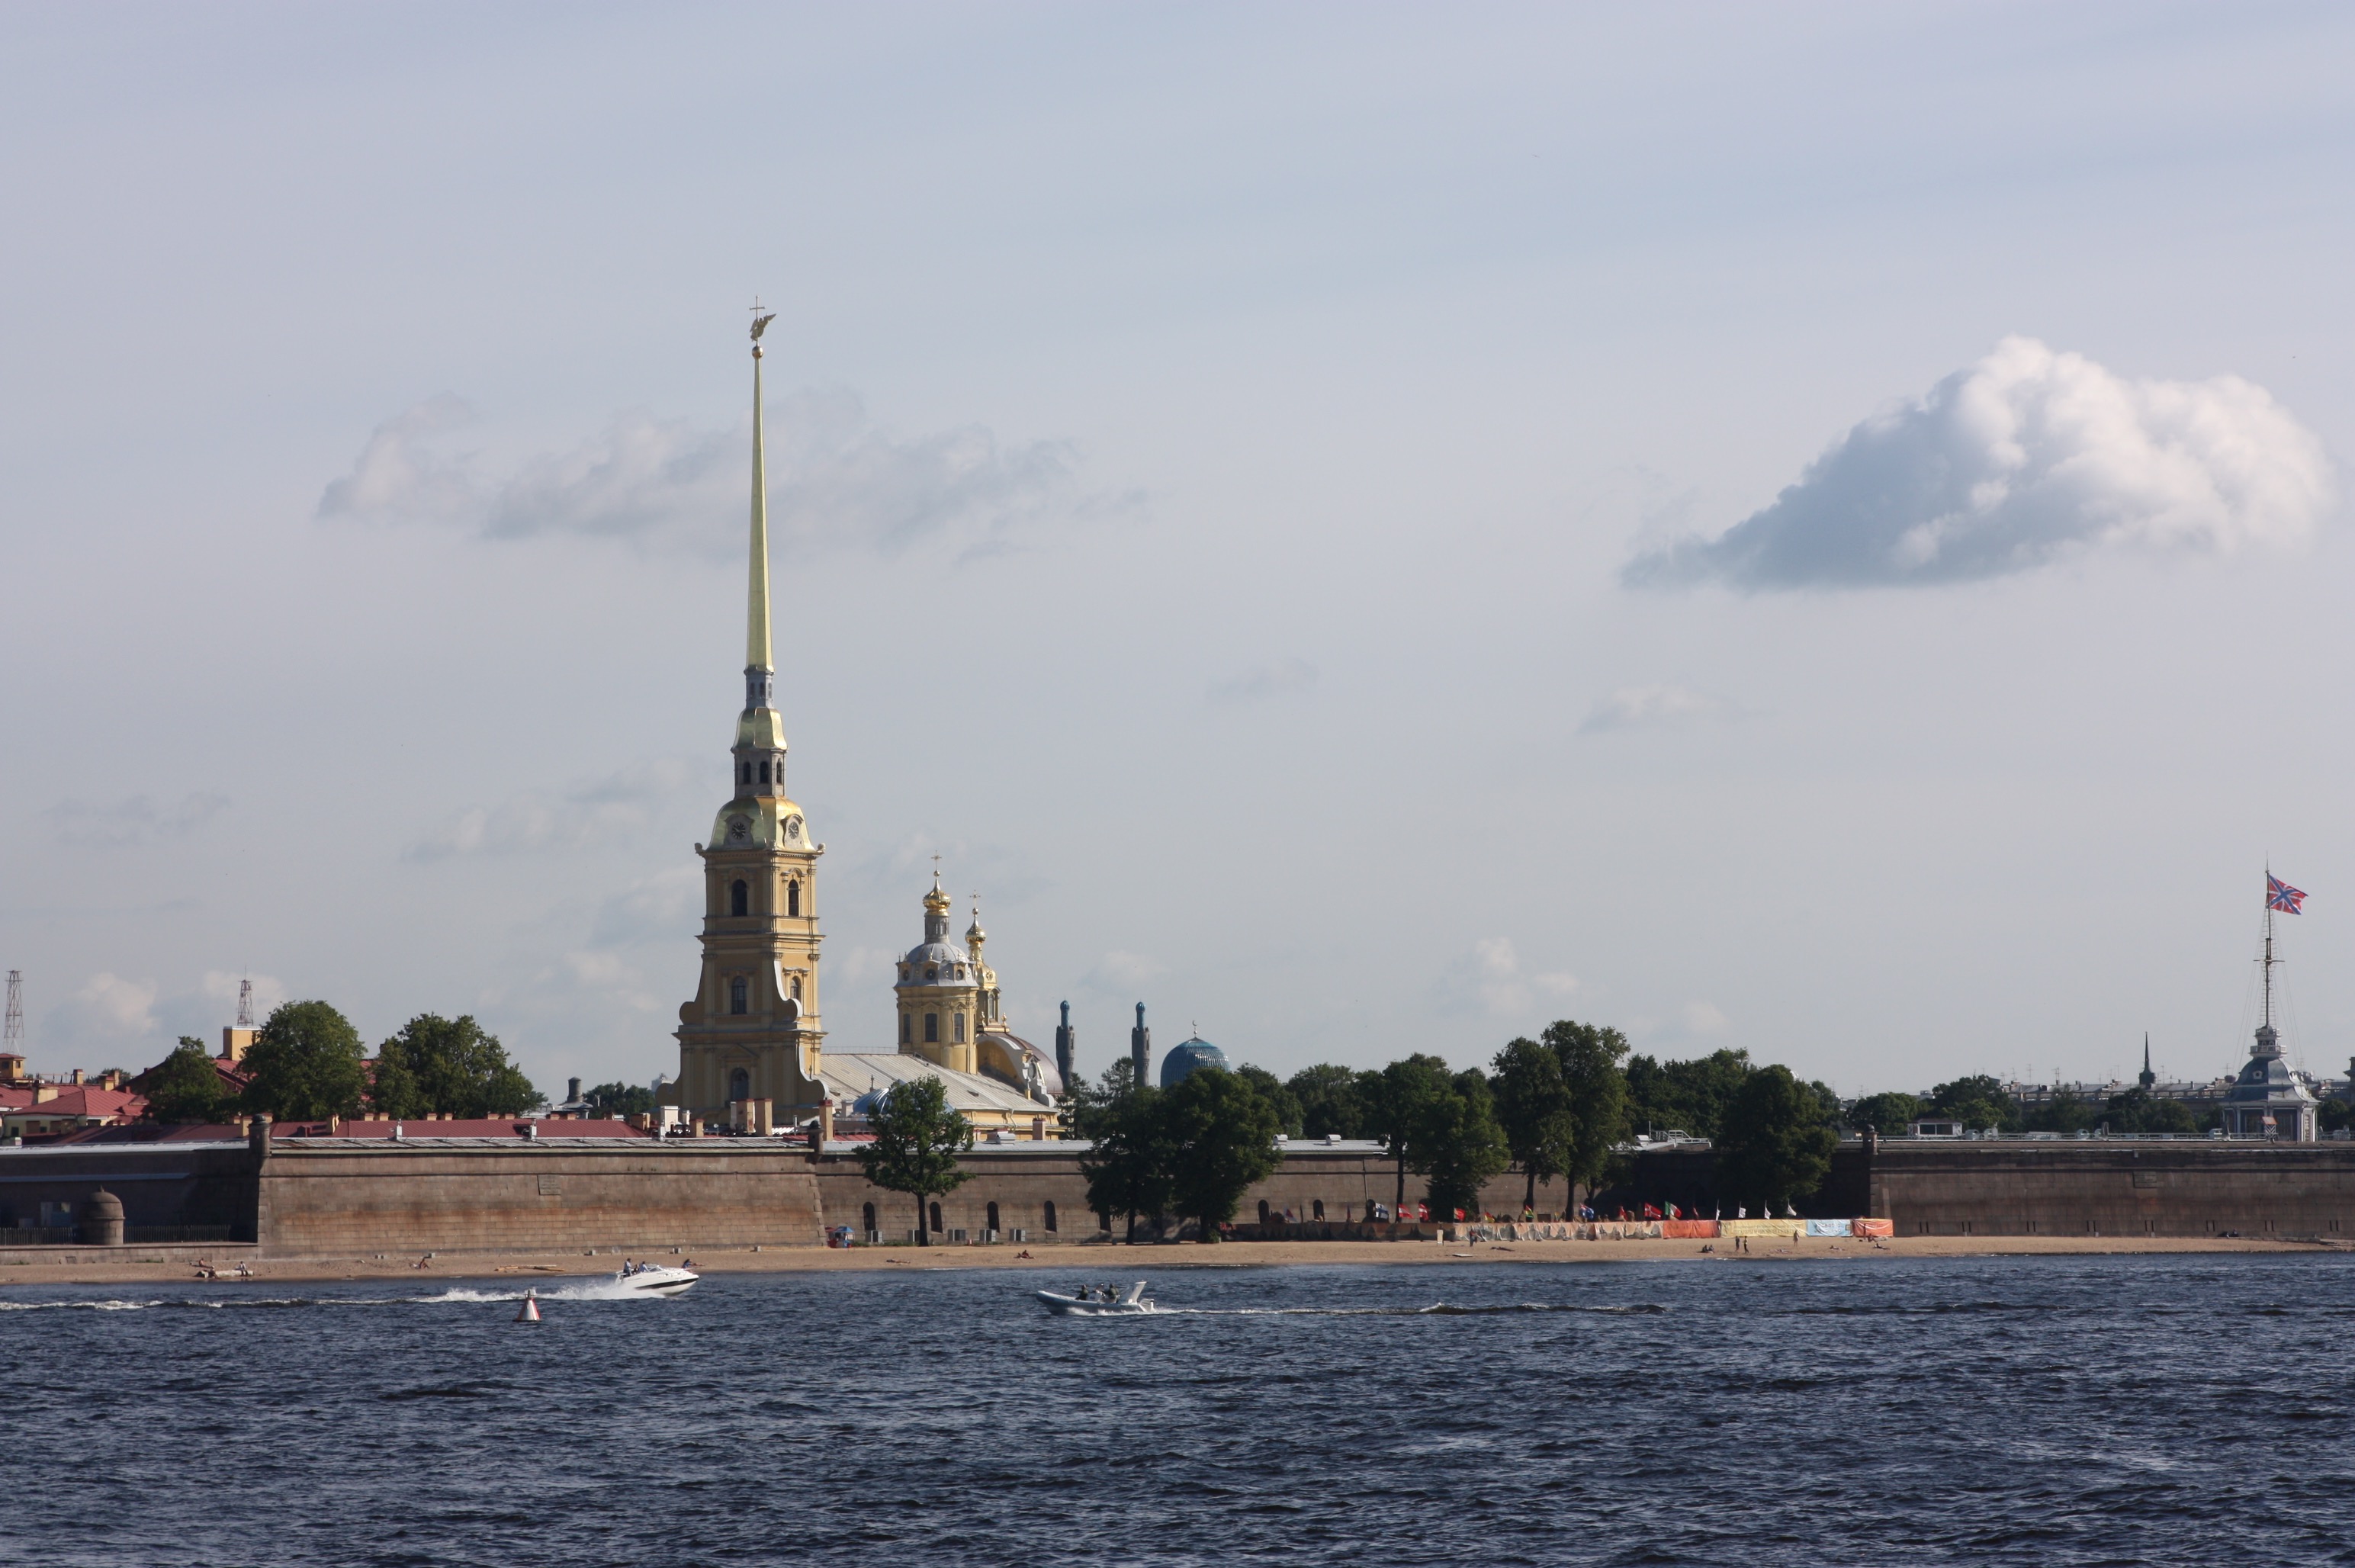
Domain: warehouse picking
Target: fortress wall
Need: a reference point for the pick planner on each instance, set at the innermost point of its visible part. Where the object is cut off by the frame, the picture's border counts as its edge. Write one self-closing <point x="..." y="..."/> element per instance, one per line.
<point x="168" y="1185"/>
<point x="329" y="1199"/>
<point x="2113" y="1188"/>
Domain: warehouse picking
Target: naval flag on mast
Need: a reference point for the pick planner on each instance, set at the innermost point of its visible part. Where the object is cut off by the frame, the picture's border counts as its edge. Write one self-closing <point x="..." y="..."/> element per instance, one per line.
<point x="2280" y="895"/>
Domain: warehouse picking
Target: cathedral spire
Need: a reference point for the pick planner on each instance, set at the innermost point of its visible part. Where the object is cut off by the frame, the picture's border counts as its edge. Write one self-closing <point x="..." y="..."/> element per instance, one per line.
<point x="757" y="652"/>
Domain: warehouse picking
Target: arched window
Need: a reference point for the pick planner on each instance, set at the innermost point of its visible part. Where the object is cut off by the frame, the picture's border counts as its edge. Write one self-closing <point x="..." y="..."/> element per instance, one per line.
<point x="931" y="1029"/>
<point x="744" y="773"/>
<point x="906" y="1023"/>
<point x="931" y="971"/>
<point x="740" y="1085"/>
<point x="867" y="1217"/>
<point x="1049" y="1218"/>
<point x="993" y="1216"/>
<point x="764" y="771"/>
<point x="960" y="1028"/>
<point x="737" y="997"/>
<point x="797" y="988"/>
<point x="793" y="898"/>
<point x="1318" y="1207"/>
<point x="740" y="898"/>
<point x="936" y="1216"/>
<point x="1263" y="1210"/>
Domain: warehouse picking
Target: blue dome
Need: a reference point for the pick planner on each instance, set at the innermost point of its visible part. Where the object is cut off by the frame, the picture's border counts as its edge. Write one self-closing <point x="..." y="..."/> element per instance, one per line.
<point x="1183" y="1059"/>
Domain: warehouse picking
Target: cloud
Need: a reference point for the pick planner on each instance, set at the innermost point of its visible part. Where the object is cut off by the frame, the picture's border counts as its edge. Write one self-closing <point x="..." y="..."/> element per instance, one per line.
<point x="1704" y="1018"/>
<point x="1488" y="978"/>
<point x="835" y="479"/>
<point x="1652" y="708"/>
<point x="2018" y="460"/>
<point x="618" y="803"/>
<point x="1265" y="680"/>
<point x="663" y="905"/>
<point x="1121" y="971"/>
<point x="105" y="1010"/>
<point x="137" y="820"/>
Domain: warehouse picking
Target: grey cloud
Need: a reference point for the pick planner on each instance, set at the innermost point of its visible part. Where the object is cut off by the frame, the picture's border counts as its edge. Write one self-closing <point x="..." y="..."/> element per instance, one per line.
<point x="2006" y="465"/>
<point x="1659" y="707"/>
<point x="834" y="479"/>
<point x="137" y="820"/>
<point x="618" y="803"/>
<point x="1264" y="681"/>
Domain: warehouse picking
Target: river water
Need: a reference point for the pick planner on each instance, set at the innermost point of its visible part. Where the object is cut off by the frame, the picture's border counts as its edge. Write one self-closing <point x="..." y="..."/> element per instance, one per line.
<point x="2128" y="1409"/>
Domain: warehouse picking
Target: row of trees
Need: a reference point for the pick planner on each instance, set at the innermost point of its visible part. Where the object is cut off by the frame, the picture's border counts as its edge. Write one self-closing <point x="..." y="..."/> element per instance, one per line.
<point x="1983" y="1104"/>
<point x="306" y="1063"/>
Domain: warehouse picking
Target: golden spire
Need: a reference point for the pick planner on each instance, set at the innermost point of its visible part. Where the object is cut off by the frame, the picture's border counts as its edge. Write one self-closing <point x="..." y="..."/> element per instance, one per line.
<point x="757" y="654"/>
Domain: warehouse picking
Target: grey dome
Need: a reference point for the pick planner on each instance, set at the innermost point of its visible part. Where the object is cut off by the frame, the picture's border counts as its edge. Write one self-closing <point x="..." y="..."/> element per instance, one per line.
<point x="1183" y="1059"/>
<point x="943" y="955"/>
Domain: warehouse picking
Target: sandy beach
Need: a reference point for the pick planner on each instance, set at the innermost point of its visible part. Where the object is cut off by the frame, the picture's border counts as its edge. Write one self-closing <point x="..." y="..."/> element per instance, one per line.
<point x="156" y="1265"/>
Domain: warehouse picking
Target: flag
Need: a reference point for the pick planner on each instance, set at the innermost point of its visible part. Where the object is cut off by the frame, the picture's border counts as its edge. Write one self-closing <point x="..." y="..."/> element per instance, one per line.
<point x="2280" y="895"/>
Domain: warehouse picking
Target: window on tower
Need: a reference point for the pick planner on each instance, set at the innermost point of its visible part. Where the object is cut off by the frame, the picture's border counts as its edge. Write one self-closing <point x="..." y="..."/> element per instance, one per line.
<point x="907" y="1024"/>
<point x="797" y="988"/>
<point x="765" y="773"/>
<point x="744" y="773"/>
<point x="740" y="1085"/>
<point x="740" y="898"/>
<point x="793" y="898"/>
<point x="931" y="1029"/>
<point x="960" y="1029"/>
<point x="739" y="996"/>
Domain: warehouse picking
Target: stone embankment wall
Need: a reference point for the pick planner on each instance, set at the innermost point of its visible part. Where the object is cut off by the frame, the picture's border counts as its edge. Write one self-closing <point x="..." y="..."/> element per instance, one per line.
<point x="162" y="1186"/>
<point x="326" y="1200"/>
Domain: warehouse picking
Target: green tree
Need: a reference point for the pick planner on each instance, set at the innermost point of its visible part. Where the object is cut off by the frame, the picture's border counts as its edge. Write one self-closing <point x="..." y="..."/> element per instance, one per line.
<point x="183" y="1087"/>
<point x="917" y="1137"/>
<point x="1597" y="1088"/>
<point x="1128" y="1162"/>
<point x="1886" y="1113"/>
<point x="2139" y="1111"/>
<point x="1401" y="1104"/>
<point x="1775" y="1145"/>
<point x="1218" y="1132"/>
<point x="1689" y="1096"/>
<point x="304" y="1064"/>
<point x="621" y="1100"/>
<point x="1333" y="1099"/>
<point x="1977" y="1102"/>
<point x="1461" y="1144"/>
<point x="1088" y="1107"/>
<point x="2063" y="1112"/>
<point x="1286" y="1105"/>
<point x="1534" y="1111"/>
<point x="448" y="1067"/>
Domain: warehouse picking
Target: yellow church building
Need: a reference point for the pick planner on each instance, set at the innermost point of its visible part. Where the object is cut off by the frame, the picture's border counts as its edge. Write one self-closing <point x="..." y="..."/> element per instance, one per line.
<point x="750" y="1045"/>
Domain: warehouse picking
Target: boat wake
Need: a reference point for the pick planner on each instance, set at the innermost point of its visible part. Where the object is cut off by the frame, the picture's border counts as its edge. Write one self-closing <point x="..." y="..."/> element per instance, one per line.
<point x="1437" y="1309"/>
<point x="600" y="1289"/>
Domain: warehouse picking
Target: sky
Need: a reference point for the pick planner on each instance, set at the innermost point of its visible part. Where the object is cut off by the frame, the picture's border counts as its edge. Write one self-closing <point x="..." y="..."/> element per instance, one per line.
<point x="1817" y="530"/>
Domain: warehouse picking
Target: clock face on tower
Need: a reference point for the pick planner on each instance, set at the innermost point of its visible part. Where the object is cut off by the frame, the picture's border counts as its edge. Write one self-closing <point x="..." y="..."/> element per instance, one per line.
<point x="793" y="829"/>
<point x="740" y="831"/>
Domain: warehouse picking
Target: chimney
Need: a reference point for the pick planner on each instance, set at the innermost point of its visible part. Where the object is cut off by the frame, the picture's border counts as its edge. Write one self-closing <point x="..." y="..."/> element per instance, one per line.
<point x="573" y="1091"/>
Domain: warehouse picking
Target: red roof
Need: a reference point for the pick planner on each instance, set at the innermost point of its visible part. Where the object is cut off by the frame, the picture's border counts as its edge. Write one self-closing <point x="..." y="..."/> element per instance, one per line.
<point x="83" y="1099"/>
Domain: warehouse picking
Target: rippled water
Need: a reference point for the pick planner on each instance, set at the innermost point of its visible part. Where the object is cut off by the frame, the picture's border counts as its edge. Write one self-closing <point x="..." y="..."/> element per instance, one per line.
<point x="1867" y="1411"/>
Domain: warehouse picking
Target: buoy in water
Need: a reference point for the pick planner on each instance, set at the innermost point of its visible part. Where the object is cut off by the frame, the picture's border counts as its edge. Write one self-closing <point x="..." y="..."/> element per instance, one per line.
<point x="530" y="1313"/>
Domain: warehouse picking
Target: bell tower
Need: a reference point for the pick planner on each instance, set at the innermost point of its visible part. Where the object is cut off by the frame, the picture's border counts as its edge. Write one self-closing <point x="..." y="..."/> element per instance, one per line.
<point x="752" y="1031"/>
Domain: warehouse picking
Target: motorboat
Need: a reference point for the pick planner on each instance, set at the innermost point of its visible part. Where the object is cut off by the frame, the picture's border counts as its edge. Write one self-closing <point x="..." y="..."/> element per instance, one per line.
<point x="648" y="1280"/>
<point x="1135" y="1303"/>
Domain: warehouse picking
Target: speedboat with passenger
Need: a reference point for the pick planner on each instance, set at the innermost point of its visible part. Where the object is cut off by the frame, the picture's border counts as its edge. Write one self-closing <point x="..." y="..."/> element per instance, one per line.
<point x="1102" y="1303"/>
<point x="646" y="1279"/>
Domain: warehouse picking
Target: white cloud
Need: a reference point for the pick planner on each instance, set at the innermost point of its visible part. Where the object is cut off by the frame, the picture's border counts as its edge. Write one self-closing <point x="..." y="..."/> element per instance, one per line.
<point x="1265" y="680"/>
<point x="834" y="478"/>
<point x="107" y="1009"/>
<point x="1121" y="971"/>
<point x="1704" y="1018"/>
<point x="618" y="803"/>
<point x="137" y="820"/>
<point x="2025" y="457"/>
<point x="1652" y="708"/>
<point x="1488" y="978"/>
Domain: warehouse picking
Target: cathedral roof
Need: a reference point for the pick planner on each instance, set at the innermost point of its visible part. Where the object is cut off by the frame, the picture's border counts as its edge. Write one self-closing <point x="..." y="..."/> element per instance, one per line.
<point x="1183" y="1059"/>
<point x="942" y="955"/>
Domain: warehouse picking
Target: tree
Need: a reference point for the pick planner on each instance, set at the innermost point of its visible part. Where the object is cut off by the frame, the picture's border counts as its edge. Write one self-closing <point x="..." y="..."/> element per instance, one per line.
<point x="1689" y="1096"/>
<point x="917" y="1137"/>
<point x="1887" y="1112"/>
<point x="1400" y="1104"/>
<point x="1597" y="1089"/>
<point x="1218" y="1132"/>
<point x="2139" y="1111"/>
<point x="1127" y="1165"/>
<point x="1976" y="1102"/>
<point x="1282" y="1101"/>
<point x="304" y="1064"/>
<point x="621" y="1100"/>
<point x="1534" y="1112"/>
<point x="1332" y="1099"/>
<point x="1088" y="1107"/>
<point x="185" y="1086"/>
<point x="2063" y="1112"/>
<point x="1461" y="1144"/>
<point x="448" y="1067"/>
<point x="1775" y="1145"/>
